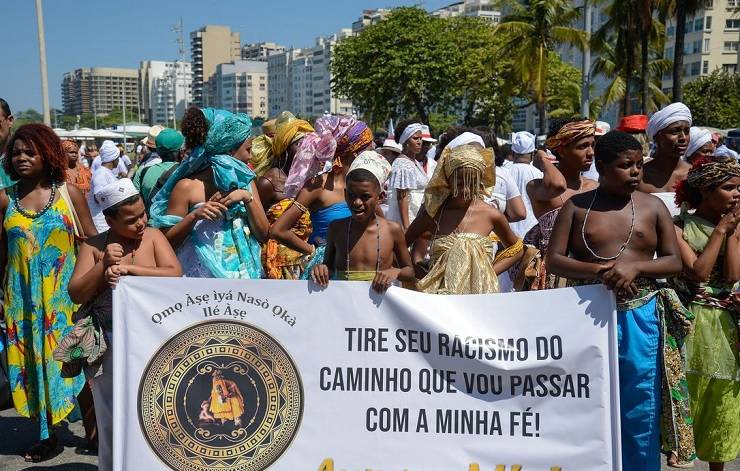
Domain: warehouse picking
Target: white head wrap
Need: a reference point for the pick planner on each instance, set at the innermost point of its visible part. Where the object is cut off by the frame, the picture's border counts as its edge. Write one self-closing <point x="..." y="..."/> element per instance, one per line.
<point x="115" y="192"/>
<point x="522" y="142"/>
<point x="697" y="138"/>
<point x="602" y="127"/>
<point x="466" y="138"/>
<point x="374" y="163"/>
<point x="100" y="178"/>
<point x="410" y="130"/>
<point x="108" y="152"/>
<point x="724" y="151"/>
<point x="426" y="134"/>
<point x="667" y="116"/>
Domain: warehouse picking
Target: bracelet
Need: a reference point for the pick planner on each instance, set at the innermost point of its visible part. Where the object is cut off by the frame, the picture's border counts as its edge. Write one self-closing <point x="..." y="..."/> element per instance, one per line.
<point x="300" y="206"/>
<point x="251" y="198"/>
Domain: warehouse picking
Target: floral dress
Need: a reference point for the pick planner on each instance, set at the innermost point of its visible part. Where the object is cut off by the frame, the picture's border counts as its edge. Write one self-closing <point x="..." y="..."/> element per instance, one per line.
<point x="38" y="311"/>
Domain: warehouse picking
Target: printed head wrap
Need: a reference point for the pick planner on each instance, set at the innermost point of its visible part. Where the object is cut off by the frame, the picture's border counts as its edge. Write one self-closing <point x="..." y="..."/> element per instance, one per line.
<point x="70" y="146"/>
<point x="704" y="173"/>
<point x="667" y="116"/>
<point x="522" y="142"/>
<point x="288" y="129"/>
<point x="697" y="138"/>
<point x="724" y="151"/>
<point x="633" y="123"/>
<point x="571" y="132"/>
<point x="374" y="163"/>
<point x="228" y="133"/>
<point x="410" y="130"/>
<point x="314" y="151"/>
<point x="473" y="165"/>
<point x="351" y="135"/>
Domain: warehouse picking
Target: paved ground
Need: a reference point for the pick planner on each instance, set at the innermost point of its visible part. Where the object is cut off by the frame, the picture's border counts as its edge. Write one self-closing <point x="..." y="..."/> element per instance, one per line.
<point x="16" y="434"/>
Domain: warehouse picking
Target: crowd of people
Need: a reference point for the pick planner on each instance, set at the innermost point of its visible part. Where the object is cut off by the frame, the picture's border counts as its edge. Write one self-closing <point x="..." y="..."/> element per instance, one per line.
<point x="650" y="210"/>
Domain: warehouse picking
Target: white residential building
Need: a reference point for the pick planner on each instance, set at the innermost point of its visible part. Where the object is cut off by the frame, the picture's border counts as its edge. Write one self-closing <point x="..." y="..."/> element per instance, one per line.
<point x="241" y="87"/>
<point x="300" y="80"/>
<point x="260" y="51"/>
<point x="166" y="90"/>
<point x="712" y="41"/>
<point x="485" y="9"/>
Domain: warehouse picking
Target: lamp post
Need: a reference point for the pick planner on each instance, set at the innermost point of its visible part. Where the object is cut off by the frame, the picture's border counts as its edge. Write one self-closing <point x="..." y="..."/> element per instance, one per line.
<point x="42" y="62"/>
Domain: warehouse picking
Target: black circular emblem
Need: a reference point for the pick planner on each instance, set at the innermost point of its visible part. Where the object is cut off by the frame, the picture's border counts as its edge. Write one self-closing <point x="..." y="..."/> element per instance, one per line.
<point x="220" y="395"/>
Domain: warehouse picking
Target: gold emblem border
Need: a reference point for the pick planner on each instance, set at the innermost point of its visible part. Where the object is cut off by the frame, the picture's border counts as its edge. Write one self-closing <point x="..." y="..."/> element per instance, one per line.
<point x="181" y="346"/>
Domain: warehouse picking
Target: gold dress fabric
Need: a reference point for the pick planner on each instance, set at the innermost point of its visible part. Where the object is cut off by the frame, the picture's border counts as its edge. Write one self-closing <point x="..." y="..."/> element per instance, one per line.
<point x="461" y="263"/>
<point x="355" y="275"/>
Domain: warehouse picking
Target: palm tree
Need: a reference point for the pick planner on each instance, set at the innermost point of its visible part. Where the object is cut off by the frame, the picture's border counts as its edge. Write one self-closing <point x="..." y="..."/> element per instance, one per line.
<point x="610" y="64"/>
<point x="532" y="31"/>
<point x="681" y="9"/>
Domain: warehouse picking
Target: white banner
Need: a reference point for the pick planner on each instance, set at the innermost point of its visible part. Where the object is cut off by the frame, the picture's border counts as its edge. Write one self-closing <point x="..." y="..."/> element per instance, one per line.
<point x="246" y="375"/>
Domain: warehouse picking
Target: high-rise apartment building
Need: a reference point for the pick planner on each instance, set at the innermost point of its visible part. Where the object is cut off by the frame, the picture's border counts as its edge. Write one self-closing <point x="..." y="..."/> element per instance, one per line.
<point x="369" y="17"/>
<point x="300" y="80"/>
<point x="485" y="9"/>
<point x="711" y="42"/>
<point x="260" y="51"/>
<point x="100" y="90"/>
<point x="241" y="87"/>
<point x="210" y="46"/>
<point x="166" y="90"/>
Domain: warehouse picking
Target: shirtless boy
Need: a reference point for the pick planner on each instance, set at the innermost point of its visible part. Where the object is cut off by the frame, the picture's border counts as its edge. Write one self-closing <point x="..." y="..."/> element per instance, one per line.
<point x="364" y="246"/>
<point x="611" y="234"/>
<point x="131" y="248"/>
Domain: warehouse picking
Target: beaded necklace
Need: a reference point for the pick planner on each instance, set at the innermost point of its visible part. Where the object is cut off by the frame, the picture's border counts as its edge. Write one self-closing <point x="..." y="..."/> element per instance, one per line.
<point x="37" y="214"/>
<point x="623" y="247"/>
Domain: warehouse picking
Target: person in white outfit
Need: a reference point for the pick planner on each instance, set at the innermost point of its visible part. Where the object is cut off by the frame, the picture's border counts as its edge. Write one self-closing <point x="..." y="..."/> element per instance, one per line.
<point x="522" y="172"/>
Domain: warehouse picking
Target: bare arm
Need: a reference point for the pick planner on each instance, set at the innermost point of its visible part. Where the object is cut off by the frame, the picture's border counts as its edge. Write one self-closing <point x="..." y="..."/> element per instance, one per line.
<point x="508" y="238"/>
<point x="87" y="278"/>
<point x="330" y="255"/>
<point x="515" y="209"/>
<point x="266" y="192"/>
<point x="82" y="210"/>
<point x="402" y="196"/>
<point x="421" y="224"/>
<point x="281" y="229"/>
<point x="557" y="260"/>
<point x="551" y="185"/>
<point x="699" y="268"/>
<point x="401" y="251"/>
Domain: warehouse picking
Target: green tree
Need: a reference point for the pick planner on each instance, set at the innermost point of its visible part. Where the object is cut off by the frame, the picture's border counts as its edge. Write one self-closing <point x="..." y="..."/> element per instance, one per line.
<point x="26" y="117"/>
<point x="714" y="99"/>
<point x="532" y="31"/>
<point x="399" y="66"/>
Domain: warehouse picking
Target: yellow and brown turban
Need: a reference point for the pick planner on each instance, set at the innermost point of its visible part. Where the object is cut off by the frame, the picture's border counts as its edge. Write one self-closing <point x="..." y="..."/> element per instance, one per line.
<point x="288" y="129"/>
<point x="571" y="132"/>
<point x="477" y="172"/>
<point x="70" y="146"/>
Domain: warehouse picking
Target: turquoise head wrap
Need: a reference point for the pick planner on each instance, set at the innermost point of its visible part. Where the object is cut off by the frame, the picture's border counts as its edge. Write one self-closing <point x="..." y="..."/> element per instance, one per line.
<point x="235" y="253"/>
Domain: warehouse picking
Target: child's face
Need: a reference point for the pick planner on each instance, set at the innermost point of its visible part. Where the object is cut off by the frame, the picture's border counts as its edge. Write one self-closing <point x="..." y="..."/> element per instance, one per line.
<point x="579" y="153"/>
<point x="723" y="197"/>
<point x="130" y="221"/>
<point x="362" y="199"/>
<point x="623" y="174"/>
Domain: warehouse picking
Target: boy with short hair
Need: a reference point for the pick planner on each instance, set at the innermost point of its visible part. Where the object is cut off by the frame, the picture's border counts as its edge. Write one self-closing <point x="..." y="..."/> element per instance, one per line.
<point x="610" y="235"/>
<point x="129" y="247"/>
<point x="363" y="247"/>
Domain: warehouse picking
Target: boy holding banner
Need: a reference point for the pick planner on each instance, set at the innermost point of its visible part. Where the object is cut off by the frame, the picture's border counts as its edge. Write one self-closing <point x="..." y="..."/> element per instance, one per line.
<point x="363" y="246"/>
<point x="611" y="235"/>
<point x="129" y="247"/>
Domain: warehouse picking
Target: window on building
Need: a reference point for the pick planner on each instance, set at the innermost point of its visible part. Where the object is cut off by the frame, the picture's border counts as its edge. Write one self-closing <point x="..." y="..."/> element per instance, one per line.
<point x="699" y="24"/>
<point x="705" y="68"/>
<point x="731" y="46"/>
<point x="706" y="45"/>
<point x="708" y="23"/>
<point x="696" y="49"/>
<point x="733" y="3"/>
<point x="669" y="52"/>
<point x="670" y="31"/>
<point x="695" y="67"/>
<point x="732" y="23"/>
<point x="708" y="4"/>
<point x="730" y="68"/>
<point x="689" y="26"/>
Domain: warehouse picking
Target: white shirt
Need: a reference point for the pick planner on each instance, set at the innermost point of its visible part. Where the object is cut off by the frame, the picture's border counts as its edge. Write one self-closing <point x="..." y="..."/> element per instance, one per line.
<point x="522" y="174"/>
<point x="591" y="172"/>
<point x="504" y="189"/>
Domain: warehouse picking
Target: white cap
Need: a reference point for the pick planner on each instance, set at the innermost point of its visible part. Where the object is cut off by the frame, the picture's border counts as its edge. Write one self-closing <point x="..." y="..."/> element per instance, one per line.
<point x="466" y="138"/>
<point x="390" y="144"/>
<point x="522" y="142"/>
<point x="602" y="127"/>
<point x="374" y="163"/>
<point x="115" y="192"/>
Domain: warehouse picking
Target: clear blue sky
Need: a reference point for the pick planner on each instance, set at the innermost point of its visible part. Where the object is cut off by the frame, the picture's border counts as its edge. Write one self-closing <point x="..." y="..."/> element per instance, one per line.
<point x="105" y="33"/>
